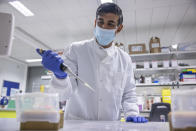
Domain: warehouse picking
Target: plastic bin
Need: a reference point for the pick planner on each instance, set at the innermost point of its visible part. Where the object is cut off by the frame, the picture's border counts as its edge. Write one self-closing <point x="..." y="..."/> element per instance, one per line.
<point x="38" y="107"/>
<point x="183" y="108"/>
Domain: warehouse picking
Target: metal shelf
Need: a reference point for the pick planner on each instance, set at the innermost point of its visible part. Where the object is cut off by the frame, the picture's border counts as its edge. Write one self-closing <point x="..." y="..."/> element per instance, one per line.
<point x="151" y="69"/>
<point x="154" y="70"/>
<point x="153" y="84"/>
<point x="151" y="56"/>
<point x="185" y="55"/>
<point x="187" y="83"/>
<point x="166" y="84"/>
<point x="164" y="70"/>
<point x="179" y="55"/>
<point x="186" y="67"/>
<point x="145" y="111"/>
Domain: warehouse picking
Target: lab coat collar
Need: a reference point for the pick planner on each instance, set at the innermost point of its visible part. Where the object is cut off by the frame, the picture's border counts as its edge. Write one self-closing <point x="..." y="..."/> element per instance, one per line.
<point x="107" y="51"/>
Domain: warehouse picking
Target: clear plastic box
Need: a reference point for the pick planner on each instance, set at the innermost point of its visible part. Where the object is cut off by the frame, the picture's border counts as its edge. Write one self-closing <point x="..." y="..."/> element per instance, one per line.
<point x="37" y="107"/>
<point x="183" y="108"/>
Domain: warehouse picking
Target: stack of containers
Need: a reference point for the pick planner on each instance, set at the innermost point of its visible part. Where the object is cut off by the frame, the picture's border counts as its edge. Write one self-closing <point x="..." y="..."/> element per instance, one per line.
<point x="188" y="75"/>
<point x="38" y="111"/>
<point x="183" y="116"/>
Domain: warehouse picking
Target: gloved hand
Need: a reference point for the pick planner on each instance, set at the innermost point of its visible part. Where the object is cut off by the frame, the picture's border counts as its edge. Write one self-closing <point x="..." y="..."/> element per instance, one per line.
<point x="52" y="61"/>
<point x="136" y="119"/>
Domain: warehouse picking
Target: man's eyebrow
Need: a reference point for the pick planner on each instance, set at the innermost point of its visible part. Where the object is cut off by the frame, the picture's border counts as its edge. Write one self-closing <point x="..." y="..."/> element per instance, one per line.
<point x="111" y="21"/>
<point x="100" y="18"/>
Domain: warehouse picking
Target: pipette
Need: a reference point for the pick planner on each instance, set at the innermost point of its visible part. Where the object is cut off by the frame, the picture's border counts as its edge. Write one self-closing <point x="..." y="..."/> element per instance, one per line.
<point x="66" y="69"/>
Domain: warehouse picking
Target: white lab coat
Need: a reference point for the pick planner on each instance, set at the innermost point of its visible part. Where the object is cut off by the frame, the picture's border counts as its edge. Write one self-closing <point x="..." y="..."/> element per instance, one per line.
<point x="109" y="71"/>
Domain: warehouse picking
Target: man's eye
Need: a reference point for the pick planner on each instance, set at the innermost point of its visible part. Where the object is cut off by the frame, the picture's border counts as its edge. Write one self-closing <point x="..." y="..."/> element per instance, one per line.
<point x="100" y="23"/>
<point x="111" y="25"/>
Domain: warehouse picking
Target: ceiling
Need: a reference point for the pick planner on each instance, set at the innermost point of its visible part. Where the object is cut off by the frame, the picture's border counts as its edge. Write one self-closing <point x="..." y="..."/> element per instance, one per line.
<point x="57" y="23"/>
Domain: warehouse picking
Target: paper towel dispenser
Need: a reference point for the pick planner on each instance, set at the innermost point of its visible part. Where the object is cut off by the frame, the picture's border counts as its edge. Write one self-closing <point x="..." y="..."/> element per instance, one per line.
<point x="6" y="33"/>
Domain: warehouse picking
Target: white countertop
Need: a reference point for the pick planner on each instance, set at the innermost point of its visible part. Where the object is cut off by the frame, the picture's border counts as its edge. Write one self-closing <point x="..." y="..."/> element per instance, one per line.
<point x="7" y="109"/>
<point x="10" y="124"/>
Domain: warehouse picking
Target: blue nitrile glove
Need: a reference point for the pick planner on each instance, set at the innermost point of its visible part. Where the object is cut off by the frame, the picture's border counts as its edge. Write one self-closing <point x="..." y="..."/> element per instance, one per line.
<point x="136" y="119"/>
<point x="52" y="61"/>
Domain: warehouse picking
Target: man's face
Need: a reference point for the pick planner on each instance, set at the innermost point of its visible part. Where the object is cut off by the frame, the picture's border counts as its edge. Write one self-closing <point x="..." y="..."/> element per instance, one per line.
<point x="108" y="21"/>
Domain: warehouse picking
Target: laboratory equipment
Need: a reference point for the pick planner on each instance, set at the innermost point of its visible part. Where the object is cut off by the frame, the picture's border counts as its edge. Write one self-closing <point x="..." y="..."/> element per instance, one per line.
<point x="188" y="46"/>
<point x="162" y="118"/>
<point x="64" y="68"/>
<point x="38" y="111"/>
<point x="149" y="102"/>
<point x="140" y="102"/>
<point x="148" y="79"/>
<point x="6" y="33"/>
<point x="183" y="109"/>
<point x="37" y="107"/>
<point x="159" y="112"/>
<point x="166" y="95"/>
<point x="188" y="75"/>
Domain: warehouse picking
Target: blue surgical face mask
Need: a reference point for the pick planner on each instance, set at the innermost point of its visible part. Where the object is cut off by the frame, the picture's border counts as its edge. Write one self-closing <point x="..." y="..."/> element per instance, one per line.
<point x="104" y="36"/>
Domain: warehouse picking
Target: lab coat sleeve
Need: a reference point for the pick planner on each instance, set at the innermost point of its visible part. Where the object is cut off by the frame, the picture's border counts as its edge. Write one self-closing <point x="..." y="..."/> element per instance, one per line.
<point x="64" y="87"/>
<point x="129" y="100"/>
<point x="70" y="59"/>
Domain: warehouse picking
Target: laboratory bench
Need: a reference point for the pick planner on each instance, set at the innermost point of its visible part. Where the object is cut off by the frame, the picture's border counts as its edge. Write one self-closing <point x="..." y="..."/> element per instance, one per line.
<point x="11" y="124"/>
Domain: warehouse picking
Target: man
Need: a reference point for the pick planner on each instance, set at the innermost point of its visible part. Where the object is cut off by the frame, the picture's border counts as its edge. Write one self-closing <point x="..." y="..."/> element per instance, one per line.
<point x="106" y="68"/>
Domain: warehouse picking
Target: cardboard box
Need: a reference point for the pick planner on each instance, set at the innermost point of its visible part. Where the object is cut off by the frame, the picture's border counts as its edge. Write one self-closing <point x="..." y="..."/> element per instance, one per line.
<point x="155" y="45"/>
<point x="137" y="48"/>
<point x="178" y="129"/>
<point x="43" y="125"/>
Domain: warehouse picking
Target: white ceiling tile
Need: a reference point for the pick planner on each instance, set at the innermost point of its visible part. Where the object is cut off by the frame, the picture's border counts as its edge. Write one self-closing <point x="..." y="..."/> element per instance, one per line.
<point x="175" y="18"/>
<point x="60" y="22"/>
<point x="143" y="23"/>
<point x="126" y="5"/>
<point x="159" y="18"/>
<point x="186" y="26"/>
<point x="143" y="4"/>
<point x="190" y="37"/>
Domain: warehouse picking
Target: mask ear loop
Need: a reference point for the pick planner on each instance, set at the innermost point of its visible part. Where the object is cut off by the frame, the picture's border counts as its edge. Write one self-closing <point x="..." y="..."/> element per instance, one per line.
<point x="119" y="28"/>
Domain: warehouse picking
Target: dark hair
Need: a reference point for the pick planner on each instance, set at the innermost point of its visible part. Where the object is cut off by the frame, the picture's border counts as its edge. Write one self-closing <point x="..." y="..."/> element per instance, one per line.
<point x="110" y="8"/>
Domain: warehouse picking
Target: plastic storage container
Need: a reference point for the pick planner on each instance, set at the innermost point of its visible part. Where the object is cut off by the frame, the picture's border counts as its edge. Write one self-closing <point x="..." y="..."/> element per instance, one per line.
<point x="38" y="107"/>
<point x="183" y="108"/>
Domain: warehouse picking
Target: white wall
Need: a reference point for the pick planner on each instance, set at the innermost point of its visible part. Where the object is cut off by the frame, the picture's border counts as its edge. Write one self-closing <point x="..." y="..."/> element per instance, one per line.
<point x="34" y="79"/>
<point x="12" y="70"/>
